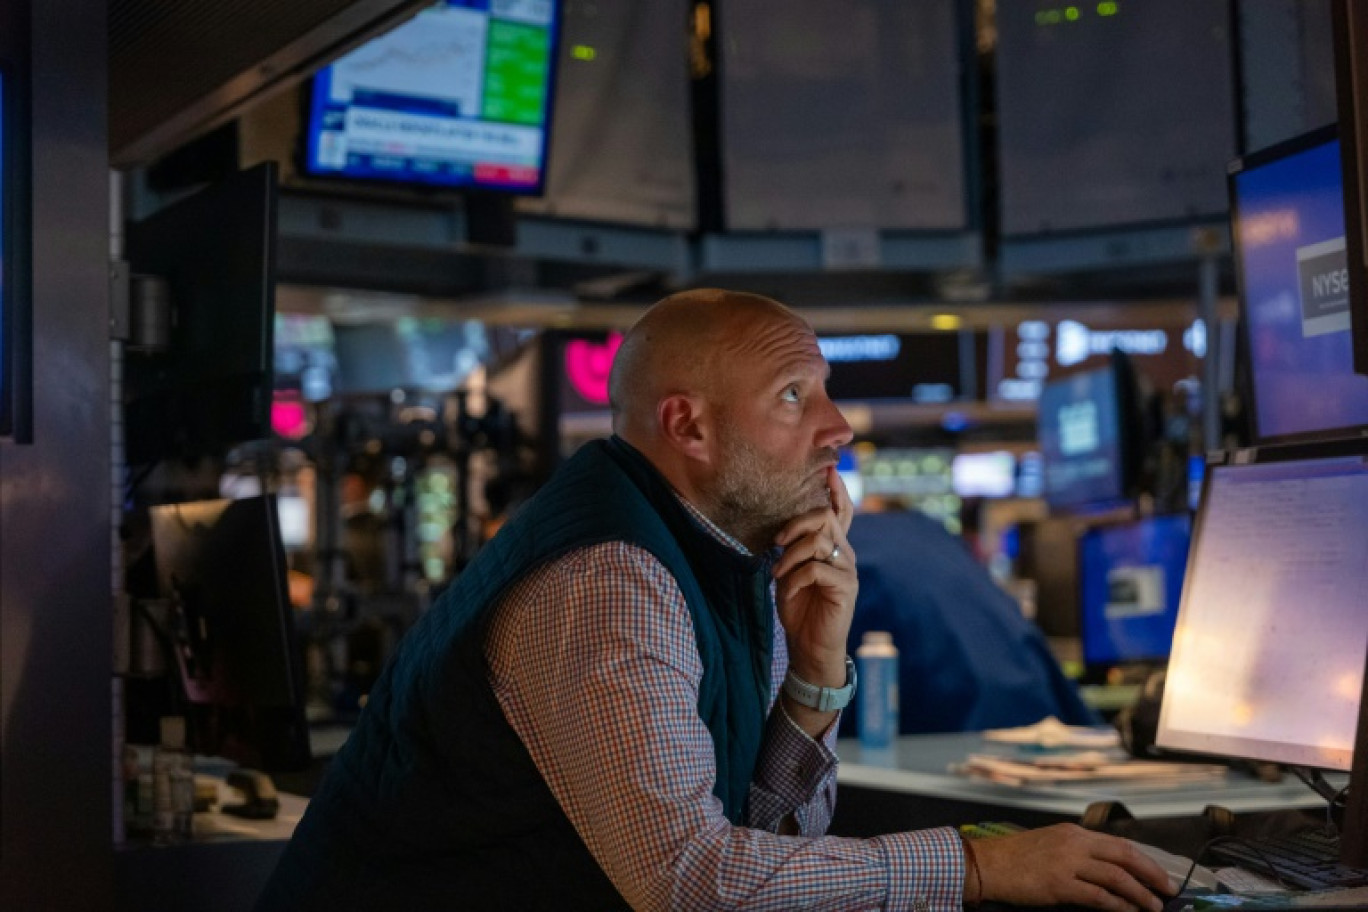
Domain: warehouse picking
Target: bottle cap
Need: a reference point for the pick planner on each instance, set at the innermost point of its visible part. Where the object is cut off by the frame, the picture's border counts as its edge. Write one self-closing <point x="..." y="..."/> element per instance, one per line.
<point x="173" y="732"/>
<point x="877" y="638"/>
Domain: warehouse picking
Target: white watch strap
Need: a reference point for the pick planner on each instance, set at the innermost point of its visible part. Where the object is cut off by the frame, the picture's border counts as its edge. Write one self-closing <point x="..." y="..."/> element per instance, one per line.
<point x="822" y="699"/>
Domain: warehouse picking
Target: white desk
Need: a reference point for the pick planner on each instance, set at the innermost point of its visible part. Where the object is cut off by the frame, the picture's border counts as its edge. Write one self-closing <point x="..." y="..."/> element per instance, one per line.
<point x="910" y="787"/>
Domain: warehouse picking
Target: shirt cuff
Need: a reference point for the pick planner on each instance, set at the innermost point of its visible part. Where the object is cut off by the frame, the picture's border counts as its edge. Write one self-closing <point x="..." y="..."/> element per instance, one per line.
<point x="793" y="767"/>
<point x="925" y="870"/>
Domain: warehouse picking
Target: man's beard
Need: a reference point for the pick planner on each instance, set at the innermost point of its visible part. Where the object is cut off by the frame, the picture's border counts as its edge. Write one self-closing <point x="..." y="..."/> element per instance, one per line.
<point x="756" y="499"/>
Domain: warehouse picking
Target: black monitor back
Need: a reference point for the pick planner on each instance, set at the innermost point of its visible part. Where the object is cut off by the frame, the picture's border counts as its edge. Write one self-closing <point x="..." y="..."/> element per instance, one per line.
<point x="212" y="387"/>
<point x="222" y="564"/>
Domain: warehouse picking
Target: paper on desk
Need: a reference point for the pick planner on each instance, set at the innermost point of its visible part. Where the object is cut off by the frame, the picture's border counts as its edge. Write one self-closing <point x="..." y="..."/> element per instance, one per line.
<point x="1047" y="770"/>
<point x="1050" y="732"/>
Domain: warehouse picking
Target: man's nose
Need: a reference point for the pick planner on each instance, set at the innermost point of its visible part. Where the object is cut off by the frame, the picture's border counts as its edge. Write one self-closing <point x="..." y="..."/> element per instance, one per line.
<point x="835" y="431"/>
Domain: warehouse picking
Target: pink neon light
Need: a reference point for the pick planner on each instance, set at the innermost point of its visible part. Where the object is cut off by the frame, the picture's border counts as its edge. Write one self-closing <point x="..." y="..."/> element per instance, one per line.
<point x="587" y="365"/>
<point x="288" y="417"/>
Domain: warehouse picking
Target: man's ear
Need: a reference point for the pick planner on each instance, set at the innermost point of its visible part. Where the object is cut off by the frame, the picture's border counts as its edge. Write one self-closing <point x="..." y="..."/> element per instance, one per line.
<point x="685" y="426"/>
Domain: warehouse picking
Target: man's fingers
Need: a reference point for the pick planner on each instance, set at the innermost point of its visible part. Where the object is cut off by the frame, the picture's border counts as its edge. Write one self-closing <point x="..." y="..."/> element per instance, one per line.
<point x="1118" y="882"/>
<point x="1144" y="869"/>
<point x="1098" y="897"/>
<point x="840" y="499"/>
<point x="822" y="546"/>
<point x="811" y="573"/>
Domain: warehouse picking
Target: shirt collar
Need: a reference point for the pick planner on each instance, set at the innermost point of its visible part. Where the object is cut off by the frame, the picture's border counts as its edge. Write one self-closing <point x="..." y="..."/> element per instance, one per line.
<point x="712" y="528"/>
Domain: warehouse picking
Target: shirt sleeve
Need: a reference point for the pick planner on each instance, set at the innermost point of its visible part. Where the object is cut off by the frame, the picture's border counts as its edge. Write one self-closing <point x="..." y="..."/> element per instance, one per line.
<point x="593" y="661"/>
<point x="796" y="773"/>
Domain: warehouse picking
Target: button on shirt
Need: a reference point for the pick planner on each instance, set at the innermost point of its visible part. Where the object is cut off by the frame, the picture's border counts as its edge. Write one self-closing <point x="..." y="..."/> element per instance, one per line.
<point x="594" y="662"/>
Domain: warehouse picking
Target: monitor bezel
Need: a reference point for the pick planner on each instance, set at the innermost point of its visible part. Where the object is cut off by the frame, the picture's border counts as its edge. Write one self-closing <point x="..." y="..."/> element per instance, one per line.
<point x="16" y="318"/>
<point x="7" y="225"/>
<point x="1350" y="36"/>
<point x="1267" y="455"/>
<point x="1254" y="161"/>
<point x="305" y="171"/>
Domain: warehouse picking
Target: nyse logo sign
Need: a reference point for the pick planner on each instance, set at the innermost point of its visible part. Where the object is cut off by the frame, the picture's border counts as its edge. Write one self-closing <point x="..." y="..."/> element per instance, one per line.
<point x="1324" y="274"/>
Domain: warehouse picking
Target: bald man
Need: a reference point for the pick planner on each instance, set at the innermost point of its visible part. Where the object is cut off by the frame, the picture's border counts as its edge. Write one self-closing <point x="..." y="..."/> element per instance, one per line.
<point x="628" y="700"/>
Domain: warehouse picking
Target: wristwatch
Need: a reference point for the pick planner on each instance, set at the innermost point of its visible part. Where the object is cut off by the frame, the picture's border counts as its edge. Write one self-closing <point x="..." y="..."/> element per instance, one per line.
<point x="822" y="699"/>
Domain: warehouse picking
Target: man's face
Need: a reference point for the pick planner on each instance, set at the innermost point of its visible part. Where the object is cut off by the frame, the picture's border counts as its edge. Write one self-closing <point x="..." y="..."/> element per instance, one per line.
<point x="777" y="432"/>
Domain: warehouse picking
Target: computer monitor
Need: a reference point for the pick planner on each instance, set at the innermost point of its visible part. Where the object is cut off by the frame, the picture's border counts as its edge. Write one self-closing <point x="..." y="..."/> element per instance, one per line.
<point x="305" y="356"/>
<point x="459" y="96"/>
<point x="413" y="353"/>
<point x="1268" y="654"/>
<point x="1089" y="430"/>
<point x="914" y="477"/>
<point x="222" y="566"/>
<point x="1131" y="581"/>
<point x="984" y="474"/>
<point x="1287" y="218"/>
<point x="211" y="388"/>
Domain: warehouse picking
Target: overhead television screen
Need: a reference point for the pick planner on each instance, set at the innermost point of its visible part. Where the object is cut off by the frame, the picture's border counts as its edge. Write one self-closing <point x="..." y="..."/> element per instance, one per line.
<point x="1288" y="220"/>
<point x="458" y="96"/>
<point x="1081" y="440"/>
<point x="918" y="367"/>
<point x="1113" y="114"/>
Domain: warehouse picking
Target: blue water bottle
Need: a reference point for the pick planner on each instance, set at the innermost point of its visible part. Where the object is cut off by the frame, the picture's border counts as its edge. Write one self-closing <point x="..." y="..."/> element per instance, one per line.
<point x="877" y="659"/>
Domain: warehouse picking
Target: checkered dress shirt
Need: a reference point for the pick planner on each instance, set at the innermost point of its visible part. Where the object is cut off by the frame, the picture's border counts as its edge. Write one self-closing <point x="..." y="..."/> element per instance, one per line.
<point x="594" y="662"/>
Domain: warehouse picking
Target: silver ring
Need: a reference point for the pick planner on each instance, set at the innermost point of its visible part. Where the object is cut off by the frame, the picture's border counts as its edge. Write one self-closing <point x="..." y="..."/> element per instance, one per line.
<point x="835" y="553"/>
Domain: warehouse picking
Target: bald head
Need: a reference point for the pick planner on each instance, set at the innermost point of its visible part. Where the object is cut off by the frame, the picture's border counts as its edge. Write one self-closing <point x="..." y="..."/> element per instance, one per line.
<point x="678" y="348"/>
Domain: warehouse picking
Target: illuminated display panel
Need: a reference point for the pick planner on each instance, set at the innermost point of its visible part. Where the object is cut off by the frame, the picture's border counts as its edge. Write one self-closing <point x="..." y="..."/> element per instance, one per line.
<point x="1288" y="225"/>
<point x="1267" y="659"/>
<point x="1131" y="576"/>
<point x="459" y="96"/>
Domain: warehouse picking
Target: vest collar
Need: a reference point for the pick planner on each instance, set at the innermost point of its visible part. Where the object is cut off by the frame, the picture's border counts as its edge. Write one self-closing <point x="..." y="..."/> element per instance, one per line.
<point x="681" y="514"/>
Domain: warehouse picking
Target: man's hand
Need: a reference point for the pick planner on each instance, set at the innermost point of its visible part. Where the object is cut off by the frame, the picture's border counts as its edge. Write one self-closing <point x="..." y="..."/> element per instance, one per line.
<point x="815" y="596"/>
<point x="1068" y="864"/>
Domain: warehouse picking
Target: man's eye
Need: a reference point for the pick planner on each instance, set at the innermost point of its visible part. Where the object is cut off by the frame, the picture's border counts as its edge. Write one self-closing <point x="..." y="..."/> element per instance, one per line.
<point x="790" y="394"/>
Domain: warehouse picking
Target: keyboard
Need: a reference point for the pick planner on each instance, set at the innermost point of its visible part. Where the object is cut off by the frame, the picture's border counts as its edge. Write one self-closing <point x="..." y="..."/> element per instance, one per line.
<point x="1307" y="861"/>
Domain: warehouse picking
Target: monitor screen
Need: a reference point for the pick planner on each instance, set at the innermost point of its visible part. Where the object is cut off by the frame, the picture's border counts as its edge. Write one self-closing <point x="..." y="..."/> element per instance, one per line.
<point x="296" y="521"/>
<point x="1030" y="479"/>
<point x="1092" y="134"/>
<point x="1081" y="440"/>
<point x="1268" y="654"/>
<point x="1288" y="221"/>
<point x="305" y="356"/>
<point x="211" y="387"/>
<point x="415" y="353"/>
<point x="1131" y="579"/>
<point x="917" y="367"/>
<point x="458" y="96"/>
<point x="912" y="478"/>
<point x="984" y="474"/>
<point x="222" y="565"/>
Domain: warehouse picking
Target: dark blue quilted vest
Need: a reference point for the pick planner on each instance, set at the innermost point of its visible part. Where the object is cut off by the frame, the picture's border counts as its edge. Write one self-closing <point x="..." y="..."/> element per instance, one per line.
<point x="434" y="803"/>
